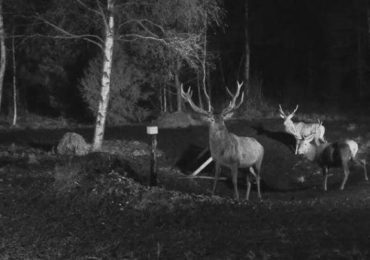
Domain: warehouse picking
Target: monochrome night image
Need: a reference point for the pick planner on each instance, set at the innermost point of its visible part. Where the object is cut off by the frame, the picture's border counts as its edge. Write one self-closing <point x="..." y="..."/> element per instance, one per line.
<point x="184" y="129"/>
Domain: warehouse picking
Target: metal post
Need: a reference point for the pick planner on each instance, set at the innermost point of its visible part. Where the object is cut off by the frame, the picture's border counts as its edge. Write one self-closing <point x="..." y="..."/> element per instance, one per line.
<point x="153" y="131"/>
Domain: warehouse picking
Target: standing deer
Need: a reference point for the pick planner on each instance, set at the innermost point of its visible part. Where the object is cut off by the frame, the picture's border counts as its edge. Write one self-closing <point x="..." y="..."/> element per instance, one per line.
<point x="300" y="129"/>
<point x="331" y="155"/>
<point x="228" y="149"/>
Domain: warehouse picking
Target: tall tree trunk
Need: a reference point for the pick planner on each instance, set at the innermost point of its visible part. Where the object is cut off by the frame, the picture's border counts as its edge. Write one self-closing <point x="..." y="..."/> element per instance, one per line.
<point x="165" y="98"/>
<point x="15" y="112"/>
<point x="170" y="99"/>
<point x="204" y="66"/>
<point x="161" y="99"/>
<point x="247" y="46"/>
<point x="106" y="79"/>
<point x="3" y="52"/>
<point x="200" y="100"/>
<point x="178" y="84"/>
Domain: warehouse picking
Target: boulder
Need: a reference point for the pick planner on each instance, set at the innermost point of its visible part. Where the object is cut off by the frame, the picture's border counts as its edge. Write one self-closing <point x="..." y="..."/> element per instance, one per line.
<point x="73" y="144"/>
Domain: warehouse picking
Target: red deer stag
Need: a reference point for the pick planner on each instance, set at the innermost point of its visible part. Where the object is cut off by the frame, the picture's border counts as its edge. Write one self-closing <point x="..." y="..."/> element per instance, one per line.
<point x="228" y="149"/>
<point x="330" y="155"/>
<point x="300" y="129"/>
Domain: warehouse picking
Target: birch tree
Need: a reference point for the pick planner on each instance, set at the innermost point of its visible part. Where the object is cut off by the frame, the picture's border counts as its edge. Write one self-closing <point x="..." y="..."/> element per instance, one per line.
<point x="105" y="44"/>
<point x="106" y="77"/>
<point x="139" y="20"/>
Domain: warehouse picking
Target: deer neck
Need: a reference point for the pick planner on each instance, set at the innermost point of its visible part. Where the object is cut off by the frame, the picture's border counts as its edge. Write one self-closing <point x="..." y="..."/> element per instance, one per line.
<point x="218" y="136"/>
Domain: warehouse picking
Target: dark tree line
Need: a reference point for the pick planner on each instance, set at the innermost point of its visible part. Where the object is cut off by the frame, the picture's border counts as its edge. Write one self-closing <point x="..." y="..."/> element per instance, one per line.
<point x="288" y="51"/>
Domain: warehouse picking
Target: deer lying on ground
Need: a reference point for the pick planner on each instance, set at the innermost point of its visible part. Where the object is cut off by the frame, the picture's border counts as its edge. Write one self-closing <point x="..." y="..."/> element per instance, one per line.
<point x="300" y="129"/>
<point x="330" y="155"/>
<point x="228" y="149"/>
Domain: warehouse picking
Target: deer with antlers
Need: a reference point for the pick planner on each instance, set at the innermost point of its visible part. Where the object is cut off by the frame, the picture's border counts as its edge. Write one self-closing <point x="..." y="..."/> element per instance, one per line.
<point x="300" y="129"/>
<point x="228" y="149"/>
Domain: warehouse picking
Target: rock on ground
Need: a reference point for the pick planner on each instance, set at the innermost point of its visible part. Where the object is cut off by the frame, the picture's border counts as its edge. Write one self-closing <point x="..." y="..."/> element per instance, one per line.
<point x="73" y="144"/>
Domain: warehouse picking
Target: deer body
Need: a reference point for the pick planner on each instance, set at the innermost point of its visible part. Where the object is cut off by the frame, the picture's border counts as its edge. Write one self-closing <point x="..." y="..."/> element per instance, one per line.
<point x="332" y="155"/>
<point x="230" y="150"/>
<point x="235" y="152"/>
<point x="301" y="129"/>
<point x="307" y="129"/>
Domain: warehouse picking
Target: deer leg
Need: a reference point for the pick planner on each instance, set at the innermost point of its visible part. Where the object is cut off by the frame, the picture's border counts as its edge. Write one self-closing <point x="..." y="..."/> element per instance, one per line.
<point x="346" y="173"/>
<point x="296" y="147"/>
<point x="258" y="180"/>
<point x="363" y="162"/>
<point x="325" y="174"/>
<point x="248" y="186"/>
<point x="217" y="174"/>
<point x="234" y="175"/>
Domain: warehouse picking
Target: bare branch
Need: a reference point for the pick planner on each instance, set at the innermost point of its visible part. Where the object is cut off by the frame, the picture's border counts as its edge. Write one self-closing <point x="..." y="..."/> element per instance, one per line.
<point x="102" y="14"/>
<point x="68" y="35"/>
<point x="141" y="23"/>
<point x="88" y="8"/>
<point x="135" y="36"/>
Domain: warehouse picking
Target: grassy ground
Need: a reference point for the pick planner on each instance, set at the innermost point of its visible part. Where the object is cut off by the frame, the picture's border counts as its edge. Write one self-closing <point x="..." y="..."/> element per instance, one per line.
<point x="91" y="208"/>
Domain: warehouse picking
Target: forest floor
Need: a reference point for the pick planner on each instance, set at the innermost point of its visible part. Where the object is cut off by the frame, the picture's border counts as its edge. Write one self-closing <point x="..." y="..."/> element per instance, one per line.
<point x="99" y="206"/>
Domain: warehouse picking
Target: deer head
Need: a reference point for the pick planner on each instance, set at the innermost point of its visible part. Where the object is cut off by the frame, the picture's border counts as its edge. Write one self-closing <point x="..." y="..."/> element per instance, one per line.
<point x="288" y="123"/>
<point x="289" y="116"/>
<point x="304" y="144"/>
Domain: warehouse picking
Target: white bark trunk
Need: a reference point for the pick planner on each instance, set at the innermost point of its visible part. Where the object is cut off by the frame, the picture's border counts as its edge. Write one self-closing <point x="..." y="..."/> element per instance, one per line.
<point x="204" y="66"/>
<point x="15" y="113"/>
<point x="105" y="81"/>
<point x="3" y="52"/>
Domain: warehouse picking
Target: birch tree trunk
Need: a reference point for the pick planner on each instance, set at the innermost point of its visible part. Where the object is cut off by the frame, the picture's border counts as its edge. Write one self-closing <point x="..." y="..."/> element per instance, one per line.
<point x="106" y="78"/>
<point x="15" y="113"/>
<point x="204" y="67"/>
<point x="3" y="52"/>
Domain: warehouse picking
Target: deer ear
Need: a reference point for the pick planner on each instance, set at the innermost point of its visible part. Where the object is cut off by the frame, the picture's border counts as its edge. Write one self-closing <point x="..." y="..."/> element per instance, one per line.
<point x="206" y="118"/>
<point x="283" y="117"/>
<point x="309" y="138"/>
<point x="228" y="116"/>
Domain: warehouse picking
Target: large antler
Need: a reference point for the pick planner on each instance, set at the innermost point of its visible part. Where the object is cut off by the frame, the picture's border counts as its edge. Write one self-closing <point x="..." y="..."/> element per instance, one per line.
<point x="289" y="116"/>
<point x="187" y="96"/>
<point x="282" y="114"/>
<point x="232" y="105"/>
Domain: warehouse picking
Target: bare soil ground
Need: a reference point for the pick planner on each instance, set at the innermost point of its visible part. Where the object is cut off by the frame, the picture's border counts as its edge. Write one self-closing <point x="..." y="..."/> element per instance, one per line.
<point x="99" y="206"/>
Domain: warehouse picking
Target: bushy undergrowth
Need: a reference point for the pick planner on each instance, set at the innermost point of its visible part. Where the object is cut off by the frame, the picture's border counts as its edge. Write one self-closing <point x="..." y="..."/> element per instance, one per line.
<point x="126" y="91"/>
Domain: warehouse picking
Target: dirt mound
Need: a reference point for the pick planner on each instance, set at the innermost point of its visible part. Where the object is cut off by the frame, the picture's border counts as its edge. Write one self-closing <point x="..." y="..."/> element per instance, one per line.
<point x="72" y="172"/>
